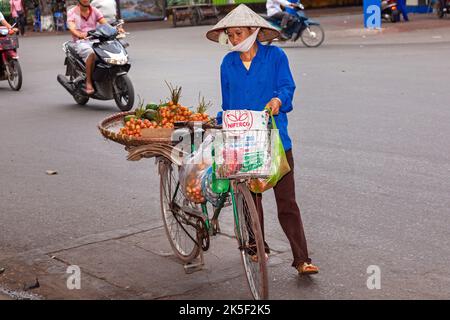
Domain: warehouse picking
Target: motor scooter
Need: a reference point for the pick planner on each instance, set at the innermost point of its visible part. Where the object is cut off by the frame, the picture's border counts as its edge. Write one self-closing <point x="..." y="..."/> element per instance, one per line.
<point x="9" y="59"/>
<point x="110" y="79"/>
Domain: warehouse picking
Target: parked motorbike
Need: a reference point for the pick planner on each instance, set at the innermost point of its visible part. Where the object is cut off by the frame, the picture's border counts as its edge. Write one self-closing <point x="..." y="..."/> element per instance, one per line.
<point x="311" y="32"/>
<point x="9" y="63"/>
<point x="389" y="10"/>
<point x="443" y="8"/>
<point x="110" y="79"/>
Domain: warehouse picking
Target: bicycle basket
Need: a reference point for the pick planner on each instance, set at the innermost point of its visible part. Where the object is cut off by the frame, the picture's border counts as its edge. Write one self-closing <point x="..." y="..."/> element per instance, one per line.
<point x="242" y="154"/>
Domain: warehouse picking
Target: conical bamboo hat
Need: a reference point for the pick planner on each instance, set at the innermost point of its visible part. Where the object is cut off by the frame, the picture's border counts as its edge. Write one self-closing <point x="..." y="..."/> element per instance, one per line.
<point x="243" y="16"/>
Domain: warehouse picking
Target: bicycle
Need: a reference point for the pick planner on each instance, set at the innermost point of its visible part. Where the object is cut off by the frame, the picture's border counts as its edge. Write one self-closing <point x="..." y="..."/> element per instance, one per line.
<point x="189" y="225"/>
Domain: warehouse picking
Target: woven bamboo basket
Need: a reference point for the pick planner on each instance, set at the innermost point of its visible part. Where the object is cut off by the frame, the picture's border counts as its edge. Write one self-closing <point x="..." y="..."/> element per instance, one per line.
<point x="110" y="127"/>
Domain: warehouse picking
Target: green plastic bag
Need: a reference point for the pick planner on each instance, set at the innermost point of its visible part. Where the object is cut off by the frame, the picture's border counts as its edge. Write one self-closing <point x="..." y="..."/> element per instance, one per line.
<point x="279" y="166"/>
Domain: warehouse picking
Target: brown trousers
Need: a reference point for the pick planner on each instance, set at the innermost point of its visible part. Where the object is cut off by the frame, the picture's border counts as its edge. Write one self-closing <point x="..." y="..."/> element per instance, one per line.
<point x="288" y="214"/>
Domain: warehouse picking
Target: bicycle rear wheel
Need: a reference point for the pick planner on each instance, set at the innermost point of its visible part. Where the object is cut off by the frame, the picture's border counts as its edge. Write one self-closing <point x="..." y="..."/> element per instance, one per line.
<point x="251" y="243"/>
<point x="181" y="228"/>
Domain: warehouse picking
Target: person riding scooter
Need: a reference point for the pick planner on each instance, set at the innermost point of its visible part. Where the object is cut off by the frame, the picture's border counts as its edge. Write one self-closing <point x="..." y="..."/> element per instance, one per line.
<point x="80" y="20"/>
<point x="296" y="24"/>
<point x="9" y="63"/>
<point x="275" y="12"/>
<point x="6" y="24"/>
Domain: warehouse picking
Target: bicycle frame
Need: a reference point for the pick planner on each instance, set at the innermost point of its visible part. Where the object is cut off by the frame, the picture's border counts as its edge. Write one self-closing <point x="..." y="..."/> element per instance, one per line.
<point x="199" y="224"/>
<point x="208" y="222"/>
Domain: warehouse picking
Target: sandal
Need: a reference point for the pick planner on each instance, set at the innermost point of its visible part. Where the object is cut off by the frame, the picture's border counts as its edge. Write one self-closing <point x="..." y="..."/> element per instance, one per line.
<point x="307" y="268"/>
<point x="89" y="92"/>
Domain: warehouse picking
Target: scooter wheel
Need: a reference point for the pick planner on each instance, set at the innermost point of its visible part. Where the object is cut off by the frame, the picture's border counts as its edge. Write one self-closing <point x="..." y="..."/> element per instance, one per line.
<point x="15" y="79"/>
<point x="313" y="36"/>
<point x="123" y="93"/>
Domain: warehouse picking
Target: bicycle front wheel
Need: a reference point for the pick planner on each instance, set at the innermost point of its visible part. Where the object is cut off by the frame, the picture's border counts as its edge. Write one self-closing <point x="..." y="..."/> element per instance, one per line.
<point x="251" y="243"/>
<point x="180" y="227"/>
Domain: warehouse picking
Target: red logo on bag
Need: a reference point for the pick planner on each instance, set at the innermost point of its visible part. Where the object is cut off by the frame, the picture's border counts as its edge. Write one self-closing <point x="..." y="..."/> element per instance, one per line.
<point x="238" y="119"/>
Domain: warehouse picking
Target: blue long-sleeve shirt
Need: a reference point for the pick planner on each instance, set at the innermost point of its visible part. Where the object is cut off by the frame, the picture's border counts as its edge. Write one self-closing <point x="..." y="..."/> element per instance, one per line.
<point x="269" y="76"/>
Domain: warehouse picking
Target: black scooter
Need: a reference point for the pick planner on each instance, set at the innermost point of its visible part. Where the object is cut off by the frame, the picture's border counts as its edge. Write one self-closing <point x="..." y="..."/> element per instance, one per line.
<point x="109" y="77"/>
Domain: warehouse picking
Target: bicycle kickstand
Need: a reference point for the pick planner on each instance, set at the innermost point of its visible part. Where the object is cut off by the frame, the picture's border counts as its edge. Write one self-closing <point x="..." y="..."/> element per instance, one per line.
<point x="195" y="265"/>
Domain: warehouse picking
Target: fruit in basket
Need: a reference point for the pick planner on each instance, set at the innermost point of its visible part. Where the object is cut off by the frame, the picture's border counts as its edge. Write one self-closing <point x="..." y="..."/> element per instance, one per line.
<point x="151" y="106"/>
<point x="128" y="118"/>
<point x="151" y="114"/>
<point x="134" y="126"/>
<point x="173" y="111"/>
<point x="139" y="112"/>
<point x="200" y="114"/>
<point x="164" y="115"/>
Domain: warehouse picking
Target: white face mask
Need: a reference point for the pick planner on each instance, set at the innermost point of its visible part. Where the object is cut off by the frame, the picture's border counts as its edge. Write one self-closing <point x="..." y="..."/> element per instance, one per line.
<point x="245" y="45"/>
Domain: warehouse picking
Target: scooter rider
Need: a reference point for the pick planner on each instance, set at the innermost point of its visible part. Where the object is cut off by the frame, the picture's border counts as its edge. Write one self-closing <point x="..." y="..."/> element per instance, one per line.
<point x="274" y="11"/>
<point x="293" y="13"/>
<point x="5" y="23"/>
<point x="81" y="19"/>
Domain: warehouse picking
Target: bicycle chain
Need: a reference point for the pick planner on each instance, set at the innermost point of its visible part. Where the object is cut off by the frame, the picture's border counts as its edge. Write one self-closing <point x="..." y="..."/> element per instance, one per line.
<point x="199" y="225"/>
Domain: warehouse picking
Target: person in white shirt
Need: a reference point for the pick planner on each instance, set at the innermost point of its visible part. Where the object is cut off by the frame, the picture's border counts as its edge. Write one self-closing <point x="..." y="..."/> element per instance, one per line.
<point x="108" y="8"/>
<point x="274" y="11"/>
<point x="5" y="23"/>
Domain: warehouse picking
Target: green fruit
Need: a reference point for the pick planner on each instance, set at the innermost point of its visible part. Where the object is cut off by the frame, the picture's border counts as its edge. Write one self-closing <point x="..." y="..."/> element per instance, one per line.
<point x="151" y="115"/>
<point x="152" y="106"/>
<point x="128" y="118"/>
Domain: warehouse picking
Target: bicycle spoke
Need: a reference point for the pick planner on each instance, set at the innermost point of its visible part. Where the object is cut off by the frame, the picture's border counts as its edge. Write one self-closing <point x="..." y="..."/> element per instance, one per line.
<point x="180" y="231"/>
<point x="251" y="243"/>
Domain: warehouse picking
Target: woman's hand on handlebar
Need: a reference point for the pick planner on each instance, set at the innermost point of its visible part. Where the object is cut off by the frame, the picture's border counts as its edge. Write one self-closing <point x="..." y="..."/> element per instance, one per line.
<point x="274" y="106"/>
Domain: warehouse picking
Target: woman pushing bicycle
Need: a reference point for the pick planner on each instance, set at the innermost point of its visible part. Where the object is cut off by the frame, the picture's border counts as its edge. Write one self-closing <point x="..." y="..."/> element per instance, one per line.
<point x="253" y="76"/>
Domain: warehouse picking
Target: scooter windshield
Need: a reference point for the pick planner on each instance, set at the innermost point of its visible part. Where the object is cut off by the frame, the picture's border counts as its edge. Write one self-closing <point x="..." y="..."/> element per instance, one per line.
<point x="105" y="31"/>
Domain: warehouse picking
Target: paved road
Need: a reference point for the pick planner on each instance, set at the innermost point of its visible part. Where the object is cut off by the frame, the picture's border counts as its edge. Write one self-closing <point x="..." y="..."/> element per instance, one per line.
<point x="370" y="131"/>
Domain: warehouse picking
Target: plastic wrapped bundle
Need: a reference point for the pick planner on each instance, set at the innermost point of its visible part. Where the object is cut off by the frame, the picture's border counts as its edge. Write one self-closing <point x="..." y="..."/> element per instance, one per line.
<point x="193" y="170"/>
<point x="207" y="187"/>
